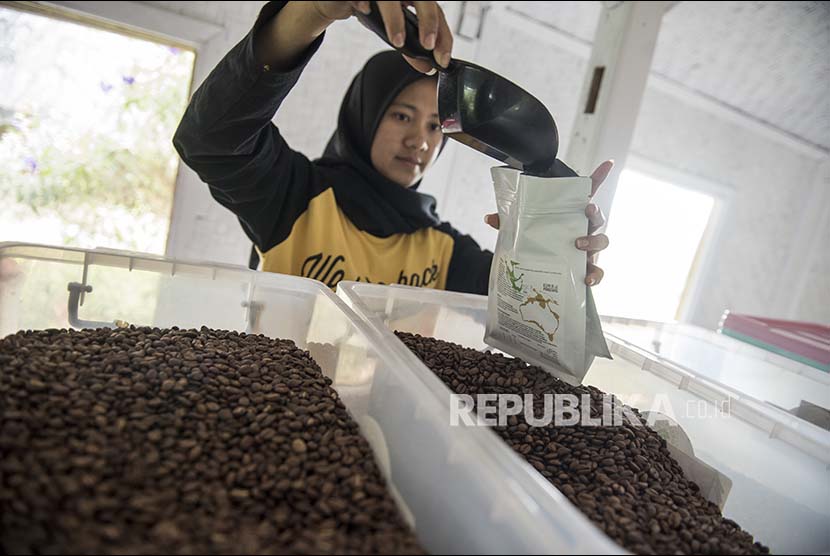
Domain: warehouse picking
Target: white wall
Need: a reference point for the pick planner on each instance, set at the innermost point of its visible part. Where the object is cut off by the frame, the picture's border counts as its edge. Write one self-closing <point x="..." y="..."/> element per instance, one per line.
<point x="809" y="265"/>
<point x="200" y="228"/>
<point x="773" y="188"/>
<point x="767" y="262"/>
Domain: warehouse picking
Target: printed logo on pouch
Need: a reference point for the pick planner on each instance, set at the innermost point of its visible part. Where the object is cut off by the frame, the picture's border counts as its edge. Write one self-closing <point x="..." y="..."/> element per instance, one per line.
<point x="516" y="282"/>
<point x="538" y="311"/>
<point x="568" y="410"/>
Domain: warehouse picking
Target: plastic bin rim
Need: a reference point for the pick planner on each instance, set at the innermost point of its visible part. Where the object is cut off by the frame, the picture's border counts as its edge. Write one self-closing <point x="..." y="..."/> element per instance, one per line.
<point x="265" y="279"/>
<point x="722" y="342"/>
<point x="813" y="440"/>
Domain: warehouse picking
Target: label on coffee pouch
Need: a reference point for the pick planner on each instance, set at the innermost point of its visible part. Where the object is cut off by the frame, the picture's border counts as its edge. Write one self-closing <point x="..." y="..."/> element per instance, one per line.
<point x="529" y="305"/>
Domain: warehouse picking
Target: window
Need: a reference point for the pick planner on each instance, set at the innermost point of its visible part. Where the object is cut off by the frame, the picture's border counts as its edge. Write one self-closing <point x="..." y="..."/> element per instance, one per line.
<point x="656" y="230"/>
<point x="86" y="121"/>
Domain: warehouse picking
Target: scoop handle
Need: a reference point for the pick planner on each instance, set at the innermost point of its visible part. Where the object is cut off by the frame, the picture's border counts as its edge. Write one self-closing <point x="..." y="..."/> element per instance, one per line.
<point x="412" y="46"/>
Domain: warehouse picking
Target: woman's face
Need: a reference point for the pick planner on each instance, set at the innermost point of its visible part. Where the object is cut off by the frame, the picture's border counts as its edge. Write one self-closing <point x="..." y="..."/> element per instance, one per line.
<point x="409" y="134"/>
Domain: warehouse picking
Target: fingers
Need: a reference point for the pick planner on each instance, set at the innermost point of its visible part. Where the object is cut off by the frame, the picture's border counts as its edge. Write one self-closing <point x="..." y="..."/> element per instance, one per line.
<point x="596" y="219"/>
<point x="592" y="243"/>
<point x="434" y="32"/>
<point x="600" y="174"/>
<point x="594" y="275"/>
<point x="393" y="21"/>
<point x="428" y="21"/>
<point x="443" y="46"/>
<point x="492" y="220"/>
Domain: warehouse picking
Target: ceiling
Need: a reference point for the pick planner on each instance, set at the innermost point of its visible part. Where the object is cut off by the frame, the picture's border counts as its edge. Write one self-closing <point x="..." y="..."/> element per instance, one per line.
<point x="767" y="60"/>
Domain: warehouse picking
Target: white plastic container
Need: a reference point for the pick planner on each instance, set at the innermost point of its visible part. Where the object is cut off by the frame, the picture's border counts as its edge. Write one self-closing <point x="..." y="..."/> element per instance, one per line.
<point x="779" y="465"/>
<point x="756" y="372"/>
<point x="459" y="492"/>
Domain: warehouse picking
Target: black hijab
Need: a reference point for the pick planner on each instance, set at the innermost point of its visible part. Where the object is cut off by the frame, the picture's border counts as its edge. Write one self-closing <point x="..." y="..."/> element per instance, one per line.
<point x="384" y="206"/>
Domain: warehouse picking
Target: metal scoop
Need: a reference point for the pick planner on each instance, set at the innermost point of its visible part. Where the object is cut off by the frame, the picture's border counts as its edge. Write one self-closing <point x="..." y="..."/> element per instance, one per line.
<point x="484" y="110"/>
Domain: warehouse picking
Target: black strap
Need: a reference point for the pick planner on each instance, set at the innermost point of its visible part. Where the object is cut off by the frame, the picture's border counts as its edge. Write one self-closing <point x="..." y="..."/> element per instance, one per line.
<point x="253" y="260"/>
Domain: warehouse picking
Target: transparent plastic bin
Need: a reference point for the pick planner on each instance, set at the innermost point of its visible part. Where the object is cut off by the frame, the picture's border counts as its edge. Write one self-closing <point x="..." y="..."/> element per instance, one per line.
<point x="460" y="497"/>
<point x="778" y="464"/>
<point x="756" y="372"/>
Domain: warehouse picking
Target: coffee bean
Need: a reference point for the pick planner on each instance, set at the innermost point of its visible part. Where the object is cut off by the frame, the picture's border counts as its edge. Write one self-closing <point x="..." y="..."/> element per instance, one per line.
<point x="298" y="446"/>
<point x="621" y="477"/>
<point x="142" y="440"/>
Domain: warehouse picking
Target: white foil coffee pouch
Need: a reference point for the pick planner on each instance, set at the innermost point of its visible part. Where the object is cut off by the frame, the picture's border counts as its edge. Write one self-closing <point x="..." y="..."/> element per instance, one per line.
<point x="539" y="308"/>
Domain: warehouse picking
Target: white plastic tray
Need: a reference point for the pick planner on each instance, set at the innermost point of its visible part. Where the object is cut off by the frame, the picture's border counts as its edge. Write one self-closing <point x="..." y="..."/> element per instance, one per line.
<point x="779" y="465"/>
<point x="756" y="372"/>
<point x="460" y="494"/>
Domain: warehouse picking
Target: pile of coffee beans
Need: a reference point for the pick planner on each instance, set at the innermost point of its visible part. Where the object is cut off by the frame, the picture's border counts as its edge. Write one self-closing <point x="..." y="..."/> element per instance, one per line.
<point x="622" y="477"/>
<point x="143" y="440"/>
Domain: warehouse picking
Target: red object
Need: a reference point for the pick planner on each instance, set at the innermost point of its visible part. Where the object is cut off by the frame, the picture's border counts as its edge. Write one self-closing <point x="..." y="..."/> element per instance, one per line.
<point x="808" y="340"/>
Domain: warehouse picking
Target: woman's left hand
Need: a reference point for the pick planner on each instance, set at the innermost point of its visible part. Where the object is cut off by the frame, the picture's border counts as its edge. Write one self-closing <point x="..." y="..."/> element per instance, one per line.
<point x="593" y="243"/>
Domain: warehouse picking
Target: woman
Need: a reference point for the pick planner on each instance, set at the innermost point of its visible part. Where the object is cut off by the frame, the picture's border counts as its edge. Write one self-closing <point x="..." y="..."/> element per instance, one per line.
<point x="355" y="213"/>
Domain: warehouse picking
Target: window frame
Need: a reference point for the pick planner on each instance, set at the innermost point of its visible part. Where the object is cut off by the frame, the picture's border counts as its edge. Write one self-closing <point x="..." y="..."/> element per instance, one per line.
<point x="138" y="21"/>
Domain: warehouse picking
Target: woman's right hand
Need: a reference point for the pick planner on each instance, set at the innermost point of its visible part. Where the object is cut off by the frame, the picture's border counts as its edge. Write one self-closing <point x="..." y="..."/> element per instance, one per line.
<point x="434" y="32"/>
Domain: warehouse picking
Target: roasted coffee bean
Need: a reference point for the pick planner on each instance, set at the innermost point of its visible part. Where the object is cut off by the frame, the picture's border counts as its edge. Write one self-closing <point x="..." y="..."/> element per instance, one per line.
<point x="299" y="446"/>
<point x="622" y="477"/>
<point x="143" y="440"/>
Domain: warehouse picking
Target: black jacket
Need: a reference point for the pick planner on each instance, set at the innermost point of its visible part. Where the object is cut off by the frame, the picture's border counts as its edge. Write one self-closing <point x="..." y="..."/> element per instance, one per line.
<point x="318" y="219"/>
